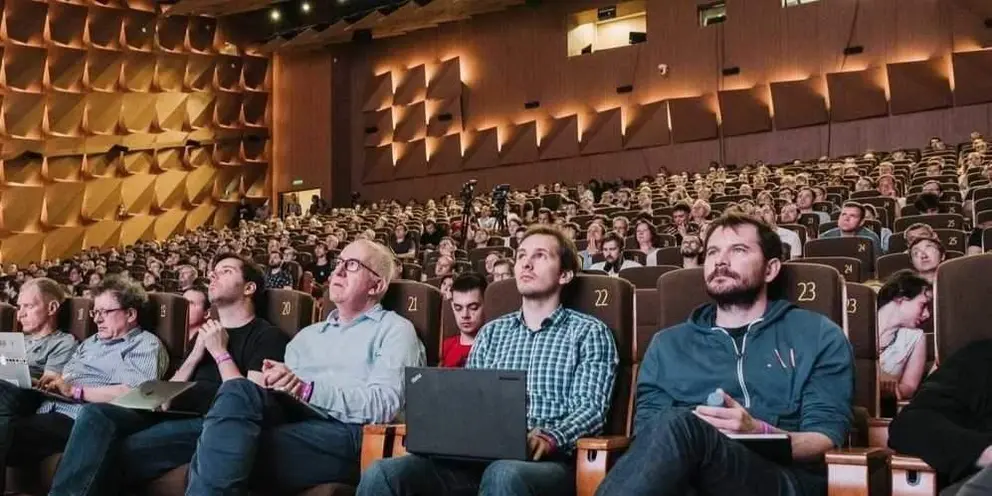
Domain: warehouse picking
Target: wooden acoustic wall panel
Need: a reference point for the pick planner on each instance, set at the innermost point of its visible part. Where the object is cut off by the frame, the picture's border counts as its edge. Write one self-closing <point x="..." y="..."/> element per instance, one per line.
<point x="20" y="208"/>
<point x="103" y="70"/>
<point x="227" y="153"/>
<point x="255" y="110"/>
<point x="200" y="34"/>
<point x="227" y="184"/>
<point x="255" y="73"/>
<point x="170" y="111"/>
<point x="102" y="165"/>
<point x="518" y="144"/>
<point x="647" y="126"/>
<point x="199" y="216"/>
<point x="799" y="103"/>
<point x="919" y="86"/>
<point x="378" y="128"/>
<point x="102" y="234"/>
<point x="64" y="242"/>
<point x="411" y="122"/>
<point x="170" y="189"/>
<point x="254" y="178"/>
<point x="170" y="223"/>
<point x="444" y="117"/>
<point x="137" y="193"/>
<point x="139" y="72"/>
<point x="63" y="204"/>
<point x="411" y="159"/>
<point x="138" y="112"/>
<point x="199" y="184"/>
<point x="446" y="82"/>
<point x="378" y="164"/>
<point x="200" y="110"/>
<point x="103" y="197"/>
<point x="66" y="23"/>
<point x="223" y="214"/>
<point x="103" y="27"/>
<point x="138" y="162"/>
<point x="481" y="149"/>
<point x="23" y="114"/>
<point x="199" y="72"/>
<point x="603" y="133"/>
<point x="255" y="150"/>
<point x="25" y="169"/>
<point x="412" y="87"/>
<point x="227" y="73"/>
<point x="378" y="93"/>
<point x="64" y="168"/>
<point x="102" y="113"/>
<point x="65" y="69"/>
<point x="23" y="248"/>
<point x="857" y="95"/>
<point x="170" y="72"/>
<point x="972" y="83"/>
<point x="227" y="110"/>
<point x="139" y="30"/>
<point x="64" y="114"/>
<point x="169" y="159"/>
<point x="137" y="228"/>
<point x="170" y="34"/>
<point x="24" y="22"/>
<point x="24" y="68"/>
<point x="561" y="138"/>
<point x="445" y="154"/>
<point x="745" y="111"/>
<point x="693" y="119"/>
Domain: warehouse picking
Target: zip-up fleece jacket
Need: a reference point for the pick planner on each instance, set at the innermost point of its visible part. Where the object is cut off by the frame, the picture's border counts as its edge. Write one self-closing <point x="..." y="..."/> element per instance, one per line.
<point x="794" y="369"/>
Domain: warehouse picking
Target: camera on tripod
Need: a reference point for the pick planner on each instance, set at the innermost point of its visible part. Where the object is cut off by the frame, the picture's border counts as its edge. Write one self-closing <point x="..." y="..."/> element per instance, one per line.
<point x="468" y="190"/>
<point x="500" y="194"/>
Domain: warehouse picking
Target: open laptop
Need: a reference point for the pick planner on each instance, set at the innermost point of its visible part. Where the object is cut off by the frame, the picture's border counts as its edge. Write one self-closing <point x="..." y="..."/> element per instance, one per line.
<point x="152" y="396"/>
<point x="14" y="365"/>
<point x="468" y="414"/>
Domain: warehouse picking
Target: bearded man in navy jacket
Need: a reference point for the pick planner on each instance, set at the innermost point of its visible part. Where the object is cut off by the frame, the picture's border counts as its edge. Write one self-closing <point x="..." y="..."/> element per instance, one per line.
<point x="772" y="367"/>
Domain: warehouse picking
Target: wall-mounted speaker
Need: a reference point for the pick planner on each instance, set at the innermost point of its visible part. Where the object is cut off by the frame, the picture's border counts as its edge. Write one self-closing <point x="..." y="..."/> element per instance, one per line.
<point x="532" y="105"/>
<point x="627" y="88"/>
<point x="638" y="37"/>
<point x="732" y="71"/>
<point x="371" y="130"/>
<point x="854" y="50"/>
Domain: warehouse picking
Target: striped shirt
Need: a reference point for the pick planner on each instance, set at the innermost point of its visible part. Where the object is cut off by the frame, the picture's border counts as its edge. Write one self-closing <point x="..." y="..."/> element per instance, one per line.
<point x="136" y="357"/>
<point x="570" y="363"/>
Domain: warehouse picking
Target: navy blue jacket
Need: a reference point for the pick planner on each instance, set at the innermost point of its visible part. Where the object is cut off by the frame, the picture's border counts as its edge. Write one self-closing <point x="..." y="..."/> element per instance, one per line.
<point x="687" y="362"/>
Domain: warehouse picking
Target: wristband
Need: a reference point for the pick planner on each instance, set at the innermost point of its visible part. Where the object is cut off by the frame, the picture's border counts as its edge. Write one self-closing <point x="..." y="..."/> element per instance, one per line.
<point x="549" y="438"/>
<point x="307" y="392"/>
<point x="77" y="393"/>
<point x="765" y="428"/>
<point x="223" y="357"/>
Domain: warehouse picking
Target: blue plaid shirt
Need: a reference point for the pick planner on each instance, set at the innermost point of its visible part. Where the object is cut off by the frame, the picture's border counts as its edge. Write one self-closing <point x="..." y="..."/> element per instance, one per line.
<point x="570" y="363"/>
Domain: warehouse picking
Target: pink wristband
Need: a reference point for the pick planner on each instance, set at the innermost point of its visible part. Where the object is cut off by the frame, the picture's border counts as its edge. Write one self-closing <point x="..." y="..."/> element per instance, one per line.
<point x="307" y="392"/>
<point x="223" y="357"/>
<point x="765" y="428"/>
<point x="77" y="393"/>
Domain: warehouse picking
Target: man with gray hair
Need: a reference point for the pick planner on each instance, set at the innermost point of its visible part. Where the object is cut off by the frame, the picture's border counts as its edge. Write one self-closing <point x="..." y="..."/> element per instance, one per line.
<point x="302" y="419"/>
<point x="119" y="357"/>
<point x="48" y="347"/>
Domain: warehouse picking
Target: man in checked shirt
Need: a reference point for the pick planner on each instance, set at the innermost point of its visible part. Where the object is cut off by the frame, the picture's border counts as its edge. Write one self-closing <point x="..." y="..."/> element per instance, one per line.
<point x="570" y="359"/>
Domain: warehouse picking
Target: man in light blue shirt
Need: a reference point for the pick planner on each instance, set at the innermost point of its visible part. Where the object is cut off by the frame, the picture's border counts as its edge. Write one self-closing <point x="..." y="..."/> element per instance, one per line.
<point x="851" y="223"/>
<point x="299" y="423"/>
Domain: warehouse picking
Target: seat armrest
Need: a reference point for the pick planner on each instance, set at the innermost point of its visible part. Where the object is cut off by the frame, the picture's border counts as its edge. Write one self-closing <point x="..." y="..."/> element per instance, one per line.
<point x="910" y="475"/>
<point x="858" y="471"/>
<point x="878" y="432"/>
<point x="377" y="443"/>
<point x="595" y="456"/>
<point x="904" y="462"/>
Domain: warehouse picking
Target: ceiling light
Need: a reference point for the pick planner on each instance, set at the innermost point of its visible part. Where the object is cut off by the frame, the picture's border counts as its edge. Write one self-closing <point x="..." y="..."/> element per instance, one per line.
<point x="305" y="7"/>
<point x="275" y="15"/>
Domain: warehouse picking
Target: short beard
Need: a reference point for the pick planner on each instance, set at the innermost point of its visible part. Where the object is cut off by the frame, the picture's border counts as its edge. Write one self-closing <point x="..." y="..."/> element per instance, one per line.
<point x="740" y="296"/>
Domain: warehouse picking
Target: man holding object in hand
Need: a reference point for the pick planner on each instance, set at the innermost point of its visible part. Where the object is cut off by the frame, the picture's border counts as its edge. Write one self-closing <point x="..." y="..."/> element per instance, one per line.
<point x="779" y="369"/>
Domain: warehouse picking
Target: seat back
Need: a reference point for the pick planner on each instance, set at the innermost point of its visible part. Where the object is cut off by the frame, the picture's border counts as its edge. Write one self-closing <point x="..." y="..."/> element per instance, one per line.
<point x="166" y="315"/>
<point x="669" y="256"/>
<point x="855" y="247"/>
<point x="288" y="309"/>
<point x="8" y="318"/>
<point x="609" y="299"/>
<point x="892" y="263"/>
<point x="961" y="309"/>
<point x="645" y="277"/>
<point x="848" y="267"/>
<point x="420" y="304"/>
<point x="936" y="221"/>
<point x="635" y="255"/>
<point x="74" y="317"/>
<point x="862" y="323"/>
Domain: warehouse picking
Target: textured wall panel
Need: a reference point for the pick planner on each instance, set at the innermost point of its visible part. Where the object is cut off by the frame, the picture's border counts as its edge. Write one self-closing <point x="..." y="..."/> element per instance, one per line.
<point x="972" y="83"/>
<point x="693" y="118"/>
<point x="857" y="94"/>
<point x="745" y="111"/>
<point x="919" y="86"/>
<point x="647" y="125"/>
<point x="799" y="103"/>
<point x="603" y="132"/>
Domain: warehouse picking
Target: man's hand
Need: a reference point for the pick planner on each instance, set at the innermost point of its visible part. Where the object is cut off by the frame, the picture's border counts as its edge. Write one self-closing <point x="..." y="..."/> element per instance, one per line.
<point x="731" y="418"/>
<point x="199" y="348"/>
<point x="214" y="337"/>
<point x="46" y="378"/>
<point x="58" y="385"/>
<point x="276" y="375"/>
<point x="985" y="459"/>
<point x="538" y="445"/>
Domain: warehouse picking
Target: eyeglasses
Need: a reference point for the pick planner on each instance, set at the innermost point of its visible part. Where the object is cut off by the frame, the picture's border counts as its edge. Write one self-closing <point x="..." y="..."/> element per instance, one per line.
<point x="103" y="313"/>
<point x="353" y="265"/>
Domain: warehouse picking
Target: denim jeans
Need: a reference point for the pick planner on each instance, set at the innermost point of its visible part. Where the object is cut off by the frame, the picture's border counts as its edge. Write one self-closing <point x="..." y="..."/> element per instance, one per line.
<point x="27" y="437"/>
<point x="413" y="475"/>
<point x="979" y="484"/>
<point x="112" y="447"/>
<point x="681" y="454"/>
<point x="245" y="430"/>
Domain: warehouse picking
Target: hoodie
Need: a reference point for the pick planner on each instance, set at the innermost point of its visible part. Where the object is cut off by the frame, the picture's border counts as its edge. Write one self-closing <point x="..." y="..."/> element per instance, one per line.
<point x="794" y="370"/>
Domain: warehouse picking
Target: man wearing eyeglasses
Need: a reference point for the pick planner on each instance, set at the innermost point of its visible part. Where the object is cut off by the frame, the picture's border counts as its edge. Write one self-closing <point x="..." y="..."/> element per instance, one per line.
<point x="120" y="356"/>
<point x="146" y="445"/>
<point x="344" y="372"/>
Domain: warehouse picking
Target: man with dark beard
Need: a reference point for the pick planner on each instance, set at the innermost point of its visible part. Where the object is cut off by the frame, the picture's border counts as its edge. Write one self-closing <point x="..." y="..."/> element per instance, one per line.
<point x="692" y="251"/>
<point x="773" y="367"/>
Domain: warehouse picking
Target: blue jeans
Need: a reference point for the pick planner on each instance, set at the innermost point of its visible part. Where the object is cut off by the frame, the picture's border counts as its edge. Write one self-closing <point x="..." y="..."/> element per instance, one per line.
<point x="27" y="437"/>
<point x="113" y="447"/>
<point x="681" y="454"/>
<point x="245" y="429"/>
<point x="413" y="475"/>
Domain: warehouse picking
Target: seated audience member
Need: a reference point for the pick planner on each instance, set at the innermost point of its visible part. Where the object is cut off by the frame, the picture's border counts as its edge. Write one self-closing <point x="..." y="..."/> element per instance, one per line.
<point x="692" y="251"/>
<point x="431" y="235"/>
<point x="491" y="259"/>
<point x="570" y="403"/>
<point x="402" y="245"/>
<point x="789" y="214"/>
<point x="916" y="231"/>
<point x="502" y="269"/>
<point x="48" y="348"/>
<point x="946" y="423"/>
<point x="680" y="445"/>
<point x="349" y="366"/>
<point x="467" y="292"/>
<point x="322" y="264"/>
<point x="903" y="306"/>
<point x="613" y="254"/>
<point x="621" y="225"/>
<point x="277" y="277"/>
<point x="447" y="247"/>
<point x="645" y="236"/>
<point x="884" y="234"/>
<point x="147" y="446"/>
<point x="926" y="254"/>
<point x="445" y="286"/>
<point x="119" y="357"/>
<point x="788" y="236"/>
<point x="927" y="203"/>
<point x="444" y="266"/>
<point x="595" y="233"/>
<point x="932" y="188"/>
<point x="851" y="223"/>
<point x="887" y="188"/>
<point x="198" y="303"/>
<point x="681" y="224"/>
<point x="187" y="276"/>
<point x="976" y="243"/>
<point x="805" y="200"/>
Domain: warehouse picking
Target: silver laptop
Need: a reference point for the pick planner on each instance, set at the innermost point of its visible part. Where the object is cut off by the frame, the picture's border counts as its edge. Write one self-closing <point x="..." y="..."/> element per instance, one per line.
<point x="152" y="395"/>
<point x="14" y="360"/>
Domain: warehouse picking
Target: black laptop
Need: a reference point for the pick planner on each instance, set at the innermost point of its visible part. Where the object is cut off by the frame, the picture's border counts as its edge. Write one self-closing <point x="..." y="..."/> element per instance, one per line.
<point x="466" y="414"/>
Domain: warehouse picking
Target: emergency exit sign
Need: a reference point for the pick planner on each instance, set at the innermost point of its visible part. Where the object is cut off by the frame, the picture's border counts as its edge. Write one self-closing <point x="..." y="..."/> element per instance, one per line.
<point x="297" y="182"/>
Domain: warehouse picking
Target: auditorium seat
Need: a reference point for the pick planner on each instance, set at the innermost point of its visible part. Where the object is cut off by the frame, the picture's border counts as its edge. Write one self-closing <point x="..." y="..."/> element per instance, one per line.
<point x="8" y="318"/>
<point x="74" y="317"/>
<point x="646" y="277"/>
<point x="893" y="262"/>
<point x="936" y="221"/>
<point x="848" y="267"/>
<point x="288" y="309"/>
<point x="669" y="256"/>
<point x="635" y="255"/>
<point x="166" y="316"/>
<point x="854" y="247"/>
